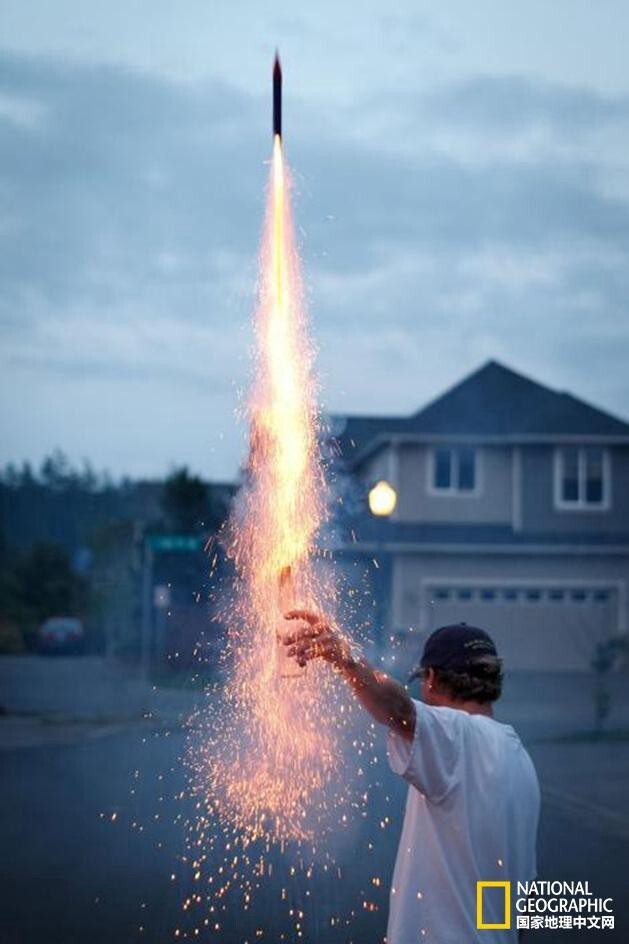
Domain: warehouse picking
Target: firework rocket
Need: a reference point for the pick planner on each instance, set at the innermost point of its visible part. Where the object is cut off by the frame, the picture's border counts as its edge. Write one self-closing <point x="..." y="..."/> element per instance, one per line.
<point x="277" y="97"/>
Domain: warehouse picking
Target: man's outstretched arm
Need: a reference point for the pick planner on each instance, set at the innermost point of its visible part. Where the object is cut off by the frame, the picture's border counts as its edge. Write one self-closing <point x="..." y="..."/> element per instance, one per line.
<point x="385" y="699"/>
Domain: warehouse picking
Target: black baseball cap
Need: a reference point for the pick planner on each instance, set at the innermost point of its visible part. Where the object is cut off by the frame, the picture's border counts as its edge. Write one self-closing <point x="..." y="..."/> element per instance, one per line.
<point x="454" y="647"/>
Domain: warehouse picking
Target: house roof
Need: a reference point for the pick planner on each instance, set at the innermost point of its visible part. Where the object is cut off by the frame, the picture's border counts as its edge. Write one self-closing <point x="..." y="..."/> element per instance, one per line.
<point x="492" y="402"/>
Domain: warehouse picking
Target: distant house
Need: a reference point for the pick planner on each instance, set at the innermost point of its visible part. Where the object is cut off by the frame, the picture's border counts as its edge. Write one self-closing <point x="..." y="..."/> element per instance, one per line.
<point x="512" y="514"/>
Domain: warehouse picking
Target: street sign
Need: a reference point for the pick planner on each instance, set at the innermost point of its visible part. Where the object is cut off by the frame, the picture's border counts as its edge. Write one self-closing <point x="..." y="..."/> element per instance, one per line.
<point x="175" y="542"/>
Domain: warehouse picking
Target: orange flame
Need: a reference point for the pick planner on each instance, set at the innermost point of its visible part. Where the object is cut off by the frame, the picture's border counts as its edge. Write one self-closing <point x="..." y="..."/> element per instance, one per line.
<point x="271" y="762"/>
<point x="284" y="463"/>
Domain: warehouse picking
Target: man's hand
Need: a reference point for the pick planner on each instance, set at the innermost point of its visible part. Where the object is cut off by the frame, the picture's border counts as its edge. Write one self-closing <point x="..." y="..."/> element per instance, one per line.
<point x="316" y="640"/>
<point x="384" y="698"/>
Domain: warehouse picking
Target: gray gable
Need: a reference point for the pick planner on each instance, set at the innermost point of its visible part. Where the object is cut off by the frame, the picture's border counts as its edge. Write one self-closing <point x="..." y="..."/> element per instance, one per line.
<point x="494" y="401"/>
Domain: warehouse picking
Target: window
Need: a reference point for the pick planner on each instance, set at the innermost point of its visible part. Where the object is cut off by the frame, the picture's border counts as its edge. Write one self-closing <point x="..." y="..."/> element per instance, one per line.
<point x="582" y="479"/>
<point x="454" y="470"/>
<point x="546" y="594"/>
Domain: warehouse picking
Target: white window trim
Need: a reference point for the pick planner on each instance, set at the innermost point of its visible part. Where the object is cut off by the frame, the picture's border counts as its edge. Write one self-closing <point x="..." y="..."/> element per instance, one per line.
<point x="580" y="505"/>
<point x="453" y="492"/>
<point x="516" y="488"/>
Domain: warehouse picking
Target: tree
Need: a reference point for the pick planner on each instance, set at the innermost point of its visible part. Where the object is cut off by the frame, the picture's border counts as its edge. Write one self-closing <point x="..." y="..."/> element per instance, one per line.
<point x="605" y="657"/>
<point x="47" y="584"/>
<point x="56" y="472"/>
<point x="39" y="584"/>
<point x="184" y="500"/>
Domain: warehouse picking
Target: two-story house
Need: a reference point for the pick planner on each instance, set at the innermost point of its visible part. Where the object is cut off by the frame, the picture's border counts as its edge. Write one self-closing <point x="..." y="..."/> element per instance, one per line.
<point x="512" y="513"/>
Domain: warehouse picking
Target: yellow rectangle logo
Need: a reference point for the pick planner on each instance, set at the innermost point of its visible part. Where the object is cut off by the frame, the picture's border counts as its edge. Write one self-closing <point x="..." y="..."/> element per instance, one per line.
<point x="481" y="926"/>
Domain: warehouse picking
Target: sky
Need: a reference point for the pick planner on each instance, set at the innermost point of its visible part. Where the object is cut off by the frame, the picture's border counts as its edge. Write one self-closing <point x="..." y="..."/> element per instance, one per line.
<point x="461" y="193"/>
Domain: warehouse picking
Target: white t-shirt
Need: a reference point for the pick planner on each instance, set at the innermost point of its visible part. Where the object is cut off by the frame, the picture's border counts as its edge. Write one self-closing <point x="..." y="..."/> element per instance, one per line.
<point x="471" y="815"/>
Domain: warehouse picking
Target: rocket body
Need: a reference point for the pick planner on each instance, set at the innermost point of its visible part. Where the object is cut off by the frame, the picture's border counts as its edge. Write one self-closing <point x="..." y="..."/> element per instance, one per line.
<point x="277" y="97"/>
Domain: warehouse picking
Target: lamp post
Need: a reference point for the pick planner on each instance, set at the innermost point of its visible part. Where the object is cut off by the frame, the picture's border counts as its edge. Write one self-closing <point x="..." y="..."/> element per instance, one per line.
<point x="382" y="500"/>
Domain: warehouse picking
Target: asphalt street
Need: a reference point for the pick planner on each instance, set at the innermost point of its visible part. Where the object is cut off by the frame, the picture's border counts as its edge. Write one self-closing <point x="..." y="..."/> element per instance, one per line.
<point x="92" y="816"/>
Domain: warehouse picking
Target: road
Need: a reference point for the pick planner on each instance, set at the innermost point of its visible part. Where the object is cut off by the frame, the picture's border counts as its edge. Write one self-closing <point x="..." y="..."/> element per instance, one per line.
<point x="91" y="833"/>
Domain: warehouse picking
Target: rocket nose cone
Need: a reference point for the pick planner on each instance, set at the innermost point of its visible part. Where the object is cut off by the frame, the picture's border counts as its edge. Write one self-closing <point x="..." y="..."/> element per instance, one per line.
<point x="277" y="97"/>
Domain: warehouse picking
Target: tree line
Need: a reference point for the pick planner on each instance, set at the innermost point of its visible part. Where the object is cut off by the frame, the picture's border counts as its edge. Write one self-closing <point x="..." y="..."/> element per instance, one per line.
<point x="70" y="540"/>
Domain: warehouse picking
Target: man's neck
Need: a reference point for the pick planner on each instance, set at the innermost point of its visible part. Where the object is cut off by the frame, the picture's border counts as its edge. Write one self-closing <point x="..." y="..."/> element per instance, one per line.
<point x="476" y="708"/>
<point x="471" y="707"/>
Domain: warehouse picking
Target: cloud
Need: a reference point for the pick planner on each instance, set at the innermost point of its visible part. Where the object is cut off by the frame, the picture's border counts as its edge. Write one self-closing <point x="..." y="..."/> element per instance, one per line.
<point x="510" y="102"/>
<point x="437" y="229"/>
<point x="123" y="171"/>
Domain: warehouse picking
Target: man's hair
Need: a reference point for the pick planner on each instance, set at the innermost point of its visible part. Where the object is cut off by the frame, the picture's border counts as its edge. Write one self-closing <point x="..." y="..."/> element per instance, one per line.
<point x="481" y="681"/>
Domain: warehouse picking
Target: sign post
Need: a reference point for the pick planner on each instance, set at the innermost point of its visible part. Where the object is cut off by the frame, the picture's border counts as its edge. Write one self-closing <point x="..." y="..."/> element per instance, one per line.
<point x="156" y="544"/>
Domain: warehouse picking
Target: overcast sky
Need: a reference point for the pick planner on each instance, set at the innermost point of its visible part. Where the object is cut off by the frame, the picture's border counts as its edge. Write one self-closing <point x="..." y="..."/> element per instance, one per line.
<point x="462" y="176"/>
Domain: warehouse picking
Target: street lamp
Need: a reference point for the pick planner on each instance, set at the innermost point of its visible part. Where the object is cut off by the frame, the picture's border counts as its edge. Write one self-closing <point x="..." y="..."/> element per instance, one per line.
<point x="382" y="500"/>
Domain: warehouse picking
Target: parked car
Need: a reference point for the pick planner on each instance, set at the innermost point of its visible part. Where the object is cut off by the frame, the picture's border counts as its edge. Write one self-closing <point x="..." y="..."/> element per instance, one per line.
<point x="63" y="634"/>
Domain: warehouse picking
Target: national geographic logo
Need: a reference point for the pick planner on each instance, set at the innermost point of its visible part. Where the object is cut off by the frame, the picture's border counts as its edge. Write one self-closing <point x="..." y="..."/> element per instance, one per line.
<point x="544" y="904"/>
<point x="506" y="924"/>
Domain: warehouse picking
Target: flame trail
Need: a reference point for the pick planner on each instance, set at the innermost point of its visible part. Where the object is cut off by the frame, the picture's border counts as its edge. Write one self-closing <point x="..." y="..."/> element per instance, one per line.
<point x="286" y="502"/>
<point x="271" y="758"/>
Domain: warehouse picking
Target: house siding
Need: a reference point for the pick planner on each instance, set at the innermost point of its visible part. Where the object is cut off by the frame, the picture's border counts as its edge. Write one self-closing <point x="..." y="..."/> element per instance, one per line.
<point x="379" y="466"/>
<point x="408" y="468"/>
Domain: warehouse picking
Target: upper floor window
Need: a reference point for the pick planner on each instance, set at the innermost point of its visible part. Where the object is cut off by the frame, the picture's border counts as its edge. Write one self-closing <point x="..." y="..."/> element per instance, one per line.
<point x="582" y="477"/>
<point x="454" y="470"/>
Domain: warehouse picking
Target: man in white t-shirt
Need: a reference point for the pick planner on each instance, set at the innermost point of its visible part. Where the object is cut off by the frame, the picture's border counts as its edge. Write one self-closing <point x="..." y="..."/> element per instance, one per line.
<point x="473" y="802"/>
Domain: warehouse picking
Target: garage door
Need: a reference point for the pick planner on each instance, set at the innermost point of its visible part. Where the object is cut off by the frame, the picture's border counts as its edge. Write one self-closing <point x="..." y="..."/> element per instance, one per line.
<point x="535" y="626"/>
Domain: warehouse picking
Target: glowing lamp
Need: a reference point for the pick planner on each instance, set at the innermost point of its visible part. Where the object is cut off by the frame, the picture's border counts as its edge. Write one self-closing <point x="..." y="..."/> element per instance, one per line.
<point x="382" y="499"/>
